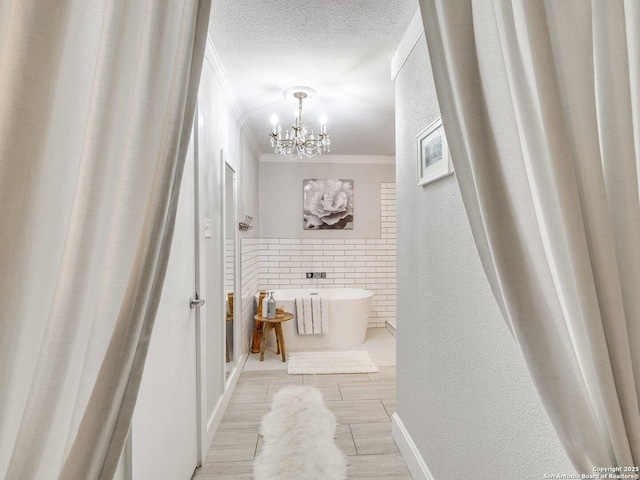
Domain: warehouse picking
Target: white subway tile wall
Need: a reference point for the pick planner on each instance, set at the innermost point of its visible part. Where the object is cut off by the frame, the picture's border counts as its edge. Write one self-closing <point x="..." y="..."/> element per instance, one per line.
<point x="368" y="263"/>
<point x="250" y="248"/>
<point x="228" y="264"/>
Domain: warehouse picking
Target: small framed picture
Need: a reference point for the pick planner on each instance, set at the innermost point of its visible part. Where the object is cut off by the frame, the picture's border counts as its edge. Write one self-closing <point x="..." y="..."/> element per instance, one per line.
<point x="434" y="160"/>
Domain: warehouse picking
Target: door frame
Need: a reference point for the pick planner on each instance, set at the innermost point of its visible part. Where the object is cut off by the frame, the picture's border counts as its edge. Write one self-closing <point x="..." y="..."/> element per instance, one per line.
<point x="201" y="324"/>
<point x="225" y="161"/>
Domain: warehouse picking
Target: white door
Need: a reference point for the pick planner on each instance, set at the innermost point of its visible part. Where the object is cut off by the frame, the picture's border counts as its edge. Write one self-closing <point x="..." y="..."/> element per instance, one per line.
<point x="164" y="427"/>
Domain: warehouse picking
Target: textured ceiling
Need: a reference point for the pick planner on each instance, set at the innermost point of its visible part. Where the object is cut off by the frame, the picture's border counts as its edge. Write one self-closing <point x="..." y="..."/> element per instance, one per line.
<point x="340" y="48"/>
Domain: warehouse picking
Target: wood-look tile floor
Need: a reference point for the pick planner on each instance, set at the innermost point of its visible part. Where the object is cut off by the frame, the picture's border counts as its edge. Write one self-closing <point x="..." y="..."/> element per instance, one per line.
<point x="362" y="404"/>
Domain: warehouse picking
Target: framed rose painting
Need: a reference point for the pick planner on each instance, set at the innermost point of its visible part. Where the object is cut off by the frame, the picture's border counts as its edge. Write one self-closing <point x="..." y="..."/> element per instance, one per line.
<point x="328" y="204"/>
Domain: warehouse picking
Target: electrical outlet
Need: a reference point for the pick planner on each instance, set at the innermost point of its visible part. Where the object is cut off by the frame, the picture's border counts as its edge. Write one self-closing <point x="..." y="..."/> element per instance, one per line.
<point x="316" y="274"/>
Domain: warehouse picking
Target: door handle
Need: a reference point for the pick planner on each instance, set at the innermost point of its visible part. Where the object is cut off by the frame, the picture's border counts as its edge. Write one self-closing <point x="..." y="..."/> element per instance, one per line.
<point x="196" y="302"/>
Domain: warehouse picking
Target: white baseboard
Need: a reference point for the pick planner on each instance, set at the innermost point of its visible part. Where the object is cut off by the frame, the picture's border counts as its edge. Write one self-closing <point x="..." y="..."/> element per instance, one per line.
<point x="415" y="463"/>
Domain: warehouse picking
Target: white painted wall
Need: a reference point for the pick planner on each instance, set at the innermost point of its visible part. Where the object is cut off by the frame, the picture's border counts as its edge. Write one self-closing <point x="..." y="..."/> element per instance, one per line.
<point x="464" y="394"/>
<point x="249" y="259"/>
<point x="221" y="129"/>
<point x="209" y="144"/>
<point x="281" y="195"/>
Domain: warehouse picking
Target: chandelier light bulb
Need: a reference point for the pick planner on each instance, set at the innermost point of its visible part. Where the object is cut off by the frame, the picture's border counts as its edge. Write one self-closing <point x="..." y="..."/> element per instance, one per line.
<point x="274" y="123"/>
<point x="323" y="124"/>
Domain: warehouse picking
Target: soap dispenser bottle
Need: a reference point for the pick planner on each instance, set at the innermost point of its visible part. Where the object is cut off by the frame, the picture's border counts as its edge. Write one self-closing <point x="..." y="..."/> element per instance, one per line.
<point x="271" y="306"/>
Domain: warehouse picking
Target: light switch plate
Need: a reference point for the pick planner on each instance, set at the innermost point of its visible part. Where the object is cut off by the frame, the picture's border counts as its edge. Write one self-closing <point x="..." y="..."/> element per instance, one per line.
<point x="207" y="228"/>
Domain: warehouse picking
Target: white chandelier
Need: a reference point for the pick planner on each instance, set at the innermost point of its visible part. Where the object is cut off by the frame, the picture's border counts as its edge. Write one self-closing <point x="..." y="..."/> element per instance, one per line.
<point x="297" y="140"/>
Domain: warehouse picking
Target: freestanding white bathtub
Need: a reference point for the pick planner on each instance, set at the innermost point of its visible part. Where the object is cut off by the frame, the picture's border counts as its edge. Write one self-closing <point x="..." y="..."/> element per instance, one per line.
<point x="348" y="317"/>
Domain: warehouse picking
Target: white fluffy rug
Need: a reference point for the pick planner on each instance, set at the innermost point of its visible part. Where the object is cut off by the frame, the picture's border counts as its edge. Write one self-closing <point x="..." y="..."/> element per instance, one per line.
<point x="298" y="439"/>
<point x="314" y="363"/>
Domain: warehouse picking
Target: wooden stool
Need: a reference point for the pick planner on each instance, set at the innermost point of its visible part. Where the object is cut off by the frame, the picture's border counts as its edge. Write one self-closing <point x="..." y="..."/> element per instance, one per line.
<point x="273" y="324"/>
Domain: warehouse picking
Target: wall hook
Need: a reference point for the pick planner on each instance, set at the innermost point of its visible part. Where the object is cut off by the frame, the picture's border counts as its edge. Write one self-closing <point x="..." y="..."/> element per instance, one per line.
<point x="245" y="224"/>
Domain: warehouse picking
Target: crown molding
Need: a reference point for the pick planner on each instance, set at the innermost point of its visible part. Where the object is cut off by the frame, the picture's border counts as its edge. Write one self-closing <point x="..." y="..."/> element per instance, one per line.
<point x="375" y="159"/>
<point x="412" y="35"/>
<point x="214" y="65"/>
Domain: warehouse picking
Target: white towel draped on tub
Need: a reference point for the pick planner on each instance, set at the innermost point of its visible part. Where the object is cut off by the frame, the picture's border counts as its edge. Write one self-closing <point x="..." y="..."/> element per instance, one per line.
<point x="312" y="315"/>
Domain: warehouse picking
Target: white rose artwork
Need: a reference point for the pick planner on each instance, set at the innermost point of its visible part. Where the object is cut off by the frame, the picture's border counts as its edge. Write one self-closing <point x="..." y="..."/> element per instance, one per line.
<point x="328" y="204"/>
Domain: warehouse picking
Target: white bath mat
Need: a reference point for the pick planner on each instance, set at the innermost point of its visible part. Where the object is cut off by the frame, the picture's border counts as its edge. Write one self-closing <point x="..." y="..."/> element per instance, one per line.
<point x="298" y="439"/>
<point x="316" y="363"/>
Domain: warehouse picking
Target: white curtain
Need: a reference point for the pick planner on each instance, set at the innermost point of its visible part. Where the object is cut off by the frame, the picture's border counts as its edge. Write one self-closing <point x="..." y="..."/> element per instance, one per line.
<point x="96" y="106"/>
<point x="540" y="102"/>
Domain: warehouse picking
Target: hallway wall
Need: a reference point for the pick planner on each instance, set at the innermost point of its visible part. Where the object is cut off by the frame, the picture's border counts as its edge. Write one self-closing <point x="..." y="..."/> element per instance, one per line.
<point x="464" y="394"/>
<point x="222" y="129"/>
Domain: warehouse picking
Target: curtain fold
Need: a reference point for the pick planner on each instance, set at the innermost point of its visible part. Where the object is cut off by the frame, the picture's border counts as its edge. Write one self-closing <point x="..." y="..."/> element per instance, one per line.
<point x="541" y="106"/>
<point x="96" y="107"/>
